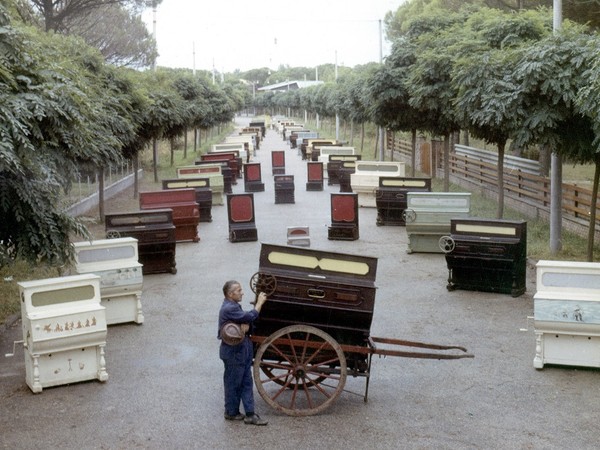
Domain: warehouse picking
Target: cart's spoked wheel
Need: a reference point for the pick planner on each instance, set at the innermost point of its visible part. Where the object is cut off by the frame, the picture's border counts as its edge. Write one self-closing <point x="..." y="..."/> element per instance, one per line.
<point x="289" y="384"/>
<point x="446" y="244"/>
<point x="409" y="215"/>
<point x="113" y="234"/>
<point x="263" y="282"/>
<point x="300" y="370"/>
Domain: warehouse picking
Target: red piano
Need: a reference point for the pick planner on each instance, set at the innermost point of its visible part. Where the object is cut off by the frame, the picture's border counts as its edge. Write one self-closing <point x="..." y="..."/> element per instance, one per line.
<point x="186" y="214"/>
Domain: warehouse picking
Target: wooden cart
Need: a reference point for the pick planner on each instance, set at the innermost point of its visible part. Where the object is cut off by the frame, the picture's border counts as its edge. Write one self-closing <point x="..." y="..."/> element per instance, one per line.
<point x="314" y="331"/>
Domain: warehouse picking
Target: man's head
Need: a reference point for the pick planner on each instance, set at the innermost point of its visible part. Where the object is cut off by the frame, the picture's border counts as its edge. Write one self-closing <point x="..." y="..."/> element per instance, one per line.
<point x="233" y="291"/>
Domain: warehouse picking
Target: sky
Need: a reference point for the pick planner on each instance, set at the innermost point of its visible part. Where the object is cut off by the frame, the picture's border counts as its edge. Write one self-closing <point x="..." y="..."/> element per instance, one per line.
<point x="249" y="34"/>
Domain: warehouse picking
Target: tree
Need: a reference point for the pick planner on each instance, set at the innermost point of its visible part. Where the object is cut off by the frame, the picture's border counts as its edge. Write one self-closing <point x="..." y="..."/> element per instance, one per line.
<point x="489" y="97"/>
<point x="552" y="73"/>
<point x="49" y="122"/>
<point x="429" y="81"/>
<point x="128" y="43"/>
<point x="58" y="14"/>
<point x="389" y="95"/>
<point x="588" y="102"/>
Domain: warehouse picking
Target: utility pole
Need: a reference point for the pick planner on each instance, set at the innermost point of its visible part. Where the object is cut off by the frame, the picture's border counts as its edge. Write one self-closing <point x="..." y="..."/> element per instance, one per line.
<point x="317" y="79"/>
<point x="556" y="165"/>
<point x="381" y="149"/>
<point x="337" y="116"/>
<point x="193" y="58"/>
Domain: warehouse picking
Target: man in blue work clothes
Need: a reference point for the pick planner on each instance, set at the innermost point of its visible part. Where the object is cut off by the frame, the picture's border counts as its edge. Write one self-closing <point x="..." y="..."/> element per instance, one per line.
<point x="237" y="357"/>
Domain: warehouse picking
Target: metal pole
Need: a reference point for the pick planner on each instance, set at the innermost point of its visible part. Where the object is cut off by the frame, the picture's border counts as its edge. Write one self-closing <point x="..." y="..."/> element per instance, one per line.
<point x="556" y="166"/>
<point x="317" y="79"/>
<point x="337" y="116"/>
<point x="381" y="149"/>
<point x="154" y="29"/>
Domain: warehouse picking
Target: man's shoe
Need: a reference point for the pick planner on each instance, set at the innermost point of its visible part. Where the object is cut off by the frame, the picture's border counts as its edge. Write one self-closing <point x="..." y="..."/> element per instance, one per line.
<point x="254" y="419"/>
<point x="236" y="417"/>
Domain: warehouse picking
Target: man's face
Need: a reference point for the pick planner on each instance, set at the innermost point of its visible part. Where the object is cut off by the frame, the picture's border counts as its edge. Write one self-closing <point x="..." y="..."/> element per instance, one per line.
<point x="236" y="293"/>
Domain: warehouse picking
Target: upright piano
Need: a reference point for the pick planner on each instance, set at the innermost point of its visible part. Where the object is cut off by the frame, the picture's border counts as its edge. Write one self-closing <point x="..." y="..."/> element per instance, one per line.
<point x="155" y="233"/>
<point x="486" y="255"/>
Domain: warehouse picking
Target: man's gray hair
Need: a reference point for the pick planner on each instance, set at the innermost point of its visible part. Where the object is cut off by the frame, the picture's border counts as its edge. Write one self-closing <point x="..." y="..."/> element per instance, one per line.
<point x="227" y="287"/>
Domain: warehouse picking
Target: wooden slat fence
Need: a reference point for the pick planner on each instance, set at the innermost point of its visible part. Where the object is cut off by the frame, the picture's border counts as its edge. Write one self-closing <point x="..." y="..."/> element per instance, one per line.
<point x="525" y="191"/>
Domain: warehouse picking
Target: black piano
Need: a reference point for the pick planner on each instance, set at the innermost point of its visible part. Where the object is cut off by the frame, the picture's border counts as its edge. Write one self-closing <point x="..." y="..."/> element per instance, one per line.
<point x="486" y="255"/>
<point x="284" y="188"/>
<point x="155" y="232"/>
<point x="390" y="197"/>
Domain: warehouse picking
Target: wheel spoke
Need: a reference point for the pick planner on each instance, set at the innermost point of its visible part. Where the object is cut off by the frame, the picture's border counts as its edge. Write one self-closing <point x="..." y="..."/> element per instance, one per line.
<point x="291" y="365"/>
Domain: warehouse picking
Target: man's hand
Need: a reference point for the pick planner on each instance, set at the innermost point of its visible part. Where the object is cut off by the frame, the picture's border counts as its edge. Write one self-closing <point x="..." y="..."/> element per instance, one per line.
<point x="245" y="327"/>
<point x="260" y="300"/>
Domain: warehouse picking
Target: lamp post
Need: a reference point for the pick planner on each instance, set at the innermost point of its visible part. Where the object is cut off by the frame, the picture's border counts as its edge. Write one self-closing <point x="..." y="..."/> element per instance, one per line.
<point x="556" y="166"/>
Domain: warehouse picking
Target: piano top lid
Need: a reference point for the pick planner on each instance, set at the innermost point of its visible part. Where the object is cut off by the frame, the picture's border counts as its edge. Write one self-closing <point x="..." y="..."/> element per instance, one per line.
<point x="405" y="182"/>
<point x="496" y="229"/>
<point x="106" y="254"/>
<point x="317" y="264"/>
<point x="74" y="291"/>
<point x="180" y="183"/>
<point x="150" y="217"/>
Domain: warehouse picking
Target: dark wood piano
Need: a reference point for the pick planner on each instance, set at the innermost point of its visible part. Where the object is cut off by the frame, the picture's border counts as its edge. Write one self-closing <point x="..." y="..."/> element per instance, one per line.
<point x="186" y="214"/>
<point x="284" y="189"/>
<point x="155" y="233"/>
<point x="203" y="193"/>
<point x="391" y="197"/>
<point x="486" y="255"/>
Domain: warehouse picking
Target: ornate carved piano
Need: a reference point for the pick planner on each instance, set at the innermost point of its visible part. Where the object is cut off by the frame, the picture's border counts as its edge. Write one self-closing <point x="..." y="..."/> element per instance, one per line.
<point x="253" y="178"/>
<point x="427" y="217"/>
<point x="486" y="255"/>
<point x="242" y="222"/>
<point x="186" y="214"/>
<point x="284" y="189"/>
<point x="155" y="233"/>
<point x="365" y="179"/>
<point x="334" y="165"/>
<point x="391" y="197"/>
<point x="566" y="314"/>
<point x="212" y="171"/>
<point x="64" y="331"/>
<point x="278" y="162"/>
<point x="314" y="173"/>
<point x="344" y="217"/>
<point x="116" y="262"/>
<point x="203" y="193"/>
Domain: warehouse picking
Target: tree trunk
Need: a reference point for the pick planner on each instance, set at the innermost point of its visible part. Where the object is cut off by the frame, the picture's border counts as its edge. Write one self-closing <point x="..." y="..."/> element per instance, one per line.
<point x="466" y="137"/>
<point x="101" y="193"/>
<point x="351" y="133"/>
<point x="362" y="136"/>
<point x="544" y="160"/>
<point x="376" y="144"/>
<point x="447" y="162"/>
<point x="172" y="147"/>
<point x="413" y="161"/>
<point x="185" y="132"/>
<point x="592" y="228"/>
<point x="155" y="159"/>
<point x="136" y="181"/>
<point x="500" y="210"/>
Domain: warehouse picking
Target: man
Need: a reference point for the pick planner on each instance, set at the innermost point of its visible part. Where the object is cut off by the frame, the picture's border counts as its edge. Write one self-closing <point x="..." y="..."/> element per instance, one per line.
<point x="237" y="358"/>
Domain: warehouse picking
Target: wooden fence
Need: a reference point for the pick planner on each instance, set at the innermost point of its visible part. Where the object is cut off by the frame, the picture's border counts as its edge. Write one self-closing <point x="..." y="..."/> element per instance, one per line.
<point x="524" y="191"/>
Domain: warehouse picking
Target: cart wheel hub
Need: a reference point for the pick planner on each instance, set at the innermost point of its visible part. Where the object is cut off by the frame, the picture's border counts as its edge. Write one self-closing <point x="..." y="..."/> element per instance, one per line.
<point x="299" y="372"/>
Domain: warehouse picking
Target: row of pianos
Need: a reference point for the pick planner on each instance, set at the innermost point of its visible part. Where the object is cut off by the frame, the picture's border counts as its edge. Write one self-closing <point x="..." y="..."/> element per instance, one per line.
<point x="65" y="319"/>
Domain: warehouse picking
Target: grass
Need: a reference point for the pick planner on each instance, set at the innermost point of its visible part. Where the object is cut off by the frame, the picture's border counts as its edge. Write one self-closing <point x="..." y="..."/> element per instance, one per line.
<point x="574" y="248"/>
